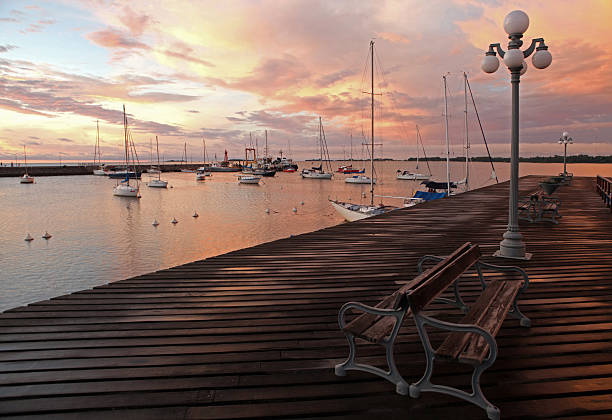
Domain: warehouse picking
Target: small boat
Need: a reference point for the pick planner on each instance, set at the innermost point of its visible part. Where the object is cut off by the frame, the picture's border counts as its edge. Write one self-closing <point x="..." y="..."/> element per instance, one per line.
<point x="123" y="188"/>
<point x="317" y="172"/>
<point x="249" y="179"/>
<point x="359" y="179"/>
<point x="26" y="179"/>
<point x="157" y="183"/>
<point x="289" y="169"/>
<point x="414" y="176"/>
<point x="411" y="176"/>
<point x="348" y="169"/>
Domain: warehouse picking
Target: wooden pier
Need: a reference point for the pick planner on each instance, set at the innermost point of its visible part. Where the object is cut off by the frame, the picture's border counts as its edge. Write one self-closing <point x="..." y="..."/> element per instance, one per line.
<point x="254" y="333"/>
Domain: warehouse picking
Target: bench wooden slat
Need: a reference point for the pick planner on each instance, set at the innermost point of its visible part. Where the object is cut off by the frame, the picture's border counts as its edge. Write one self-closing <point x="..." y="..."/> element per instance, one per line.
<point x="430" y="289"/>
<point x="488" y="312"/>
<point x="456" y="341"/>
<point x="373" y="327"/>
<point x="478" y="349"/>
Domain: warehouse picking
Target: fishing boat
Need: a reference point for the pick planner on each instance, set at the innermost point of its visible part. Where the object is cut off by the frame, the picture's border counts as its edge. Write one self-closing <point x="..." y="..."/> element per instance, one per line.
<point x="249" y="179"/>
<point x="225" y="166"/>
<point x="99" y="168"/>
<point x="351" y="211"/>
<point x="158" y="183"/>
<point x="123" y="188"/>
<point x="26" y="179"/>
<point x="415" y="176"/>
<point x="317" y="172"/>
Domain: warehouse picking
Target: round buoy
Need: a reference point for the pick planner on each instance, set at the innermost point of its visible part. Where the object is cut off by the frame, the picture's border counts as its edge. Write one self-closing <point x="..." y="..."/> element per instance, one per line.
<point x="195" y="214"/>
<point x="174" y="221"/>
<point x="46" y="235"/>
<point x="28" y="238"/>
<point x="267" y="211"/>
<point x="294" y="210"/>
<point x="155" y="222"/>
<point x="302" y="203"/>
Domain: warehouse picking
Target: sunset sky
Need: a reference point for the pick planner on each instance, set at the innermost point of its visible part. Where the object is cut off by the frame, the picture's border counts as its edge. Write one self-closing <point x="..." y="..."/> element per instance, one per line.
<point x="188" y="69"/>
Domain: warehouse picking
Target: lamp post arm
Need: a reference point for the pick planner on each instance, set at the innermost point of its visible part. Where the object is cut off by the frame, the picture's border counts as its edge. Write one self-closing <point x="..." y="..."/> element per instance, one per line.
<point x="499" y="49"/>
<point x="532" y="47"/>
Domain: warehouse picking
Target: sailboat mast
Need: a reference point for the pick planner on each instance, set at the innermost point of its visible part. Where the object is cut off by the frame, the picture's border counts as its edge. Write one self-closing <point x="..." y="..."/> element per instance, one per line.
<point x="446" y="135"/>
<point x="321" y="143"/>
<point x="266" y="155"/>
<point x="467" y="140"/>
<point x="97" y="148"/>
<point x="417" y="146"/>
<point x="158" y="166"/>
<point x="372" y="152"/>
<point x="25" y="159"/>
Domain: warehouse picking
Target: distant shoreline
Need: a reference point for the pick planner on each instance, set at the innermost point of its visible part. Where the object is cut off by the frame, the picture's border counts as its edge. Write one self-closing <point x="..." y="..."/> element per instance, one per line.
<point x="535" y="159"/>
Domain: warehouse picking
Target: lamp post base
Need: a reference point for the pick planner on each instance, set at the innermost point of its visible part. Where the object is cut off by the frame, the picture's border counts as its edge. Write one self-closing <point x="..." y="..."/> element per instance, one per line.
<point x="512" y="247"/>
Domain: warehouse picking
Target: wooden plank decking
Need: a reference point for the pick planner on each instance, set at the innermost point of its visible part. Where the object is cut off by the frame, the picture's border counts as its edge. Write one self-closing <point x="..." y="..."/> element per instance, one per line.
<point x="253" y="333"/>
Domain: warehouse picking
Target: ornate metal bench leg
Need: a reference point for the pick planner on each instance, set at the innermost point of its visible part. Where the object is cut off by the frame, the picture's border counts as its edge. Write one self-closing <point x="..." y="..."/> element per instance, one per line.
<point x="340" y="369"/>
<point x="516" y="312"/>
<point x="401" y="386"/>
<point x="477" y="395"/>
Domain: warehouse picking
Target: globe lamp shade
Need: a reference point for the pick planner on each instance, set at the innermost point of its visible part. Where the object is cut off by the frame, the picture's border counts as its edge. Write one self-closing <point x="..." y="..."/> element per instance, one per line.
<point x="513" y="58"/>
<point x="490" y="64"/>
<point x="524" y="69"/>
<point x="541" y="59"/>
<point x="516" y="22"/>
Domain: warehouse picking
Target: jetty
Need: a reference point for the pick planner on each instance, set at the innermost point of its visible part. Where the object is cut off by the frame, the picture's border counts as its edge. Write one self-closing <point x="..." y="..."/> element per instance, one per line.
<point x="254" y="333"/>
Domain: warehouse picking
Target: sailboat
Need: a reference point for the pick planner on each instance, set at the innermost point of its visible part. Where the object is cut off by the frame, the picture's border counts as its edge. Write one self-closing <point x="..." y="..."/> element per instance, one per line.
<point x="317" y="172"/>
<point x="26" y="179"/>
<point x="123" y="188"/>
<point x="414" y="176"/>
<point x="350" y="211"/>
<point x="348" y="169"/>
<point x="158" y="183"/>
<point x="203" y="171"/>
<point x="99" y="170"/>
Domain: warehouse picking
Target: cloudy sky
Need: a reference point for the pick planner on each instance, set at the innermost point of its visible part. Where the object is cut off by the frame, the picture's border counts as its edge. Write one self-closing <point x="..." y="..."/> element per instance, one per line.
<point x="188" y="69"/>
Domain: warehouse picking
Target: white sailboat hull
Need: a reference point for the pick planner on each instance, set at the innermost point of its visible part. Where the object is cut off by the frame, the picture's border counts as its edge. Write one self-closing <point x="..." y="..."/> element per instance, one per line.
<point x="99" y="172"/>
<point x="413" y="177"/>
<point x="126" y="191"/>
<point x="248" y="179"/>
<point x="352" y="212"/>
<point x="359" y="179"/>
<point x="26" y="179"/>
<point x="158" y="183"/>
<point x="317" y="175"/>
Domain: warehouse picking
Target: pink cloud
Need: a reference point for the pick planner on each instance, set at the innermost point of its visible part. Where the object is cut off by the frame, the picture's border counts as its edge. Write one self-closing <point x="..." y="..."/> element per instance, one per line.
<point x="112" y="38"/>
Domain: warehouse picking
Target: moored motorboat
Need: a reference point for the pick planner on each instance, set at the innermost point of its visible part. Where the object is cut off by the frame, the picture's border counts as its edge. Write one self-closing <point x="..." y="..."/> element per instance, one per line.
<point x="411" y="176"/>
<point x="249" y="179"/>
<point x="359" y="179"/>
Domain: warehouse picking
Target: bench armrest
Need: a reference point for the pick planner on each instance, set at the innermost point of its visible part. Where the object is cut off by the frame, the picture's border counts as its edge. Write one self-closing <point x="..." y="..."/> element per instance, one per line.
<point x="452" y="326"/>
<point x="424" y="258"/>
<point x="506" y="268"/>
<point x="368" y="309"/>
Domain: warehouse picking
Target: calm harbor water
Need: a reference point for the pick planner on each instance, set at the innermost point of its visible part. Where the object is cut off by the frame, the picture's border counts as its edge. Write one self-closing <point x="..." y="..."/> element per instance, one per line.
<point x="99" y="238"/>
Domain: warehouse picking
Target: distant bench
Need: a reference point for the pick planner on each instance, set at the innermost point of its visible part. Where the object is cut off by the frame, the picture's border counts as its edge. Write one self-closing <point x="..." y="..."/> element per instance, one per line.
<point x="471" y="341"/>
<point x="538" y="206"/>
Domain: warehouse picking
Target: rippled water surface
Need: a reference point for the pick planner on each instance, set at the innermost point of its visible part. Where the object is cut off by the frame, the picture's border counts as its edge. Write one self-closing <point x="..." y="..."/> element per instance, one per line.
<point x="99" y="238"/>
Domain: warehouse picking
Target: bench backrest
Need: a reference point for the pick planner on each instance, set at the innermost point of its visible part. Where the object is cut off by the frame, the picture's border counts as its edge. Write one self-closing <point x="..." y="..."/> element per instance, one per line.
<point x="435" y="280"/>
